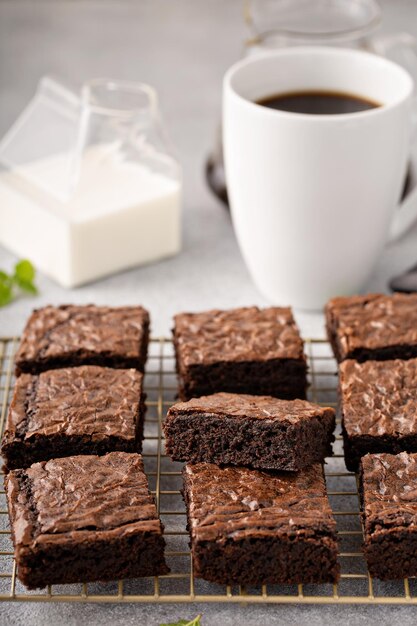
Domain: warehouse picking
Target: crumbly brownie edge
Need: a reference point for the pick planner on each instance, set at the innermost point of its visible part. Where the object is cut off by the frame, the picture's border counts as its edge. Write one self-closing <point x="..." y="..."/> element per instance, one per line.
<point x="20" y="505"/>
<point x="387" y="353"/>
<point x="358" y="446"/>
<point x="332" y="333"/>
<point x="201" y="437"/>
<point x="391" y="554"/>
<point x="81" y="358"/>
<point x="132" y="555"/>
<point x="281" y="378"/>
<point x="20" y="454"/>
<point x="144" y="344"/>
<point x="19" y="399"/>
<point x="257" y="561"/>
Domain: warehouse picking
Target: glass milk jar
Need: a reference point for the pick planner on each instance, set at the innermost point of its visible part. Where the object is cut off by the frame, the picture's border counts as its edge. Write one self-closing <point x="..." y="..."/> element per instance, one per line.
<point x="89" y="183"/>
<point x="273" y="24"/>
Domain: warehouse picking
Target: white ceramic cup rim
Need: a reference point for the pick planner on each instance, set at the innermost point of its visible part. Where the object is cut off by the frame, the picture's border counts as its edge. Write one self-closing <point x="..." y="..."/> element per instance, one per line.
<point x="342" y="56"/>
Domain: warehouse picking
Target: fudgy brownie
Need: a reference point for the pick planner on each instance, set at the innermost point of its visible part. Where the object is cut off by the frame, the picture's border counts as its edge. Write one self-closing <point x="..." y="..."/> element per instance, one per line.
<point x="71" y="335"/>
<point x="84" y="518"/>
<point x="388" y="485"/>
<point x="374" y="326"/>
<point x="246" y="350"/>
<point x="256" y="431"/>
<point x="75" y="410"/>
<point x="378" y="402"/>
<point x="254" y="527"/>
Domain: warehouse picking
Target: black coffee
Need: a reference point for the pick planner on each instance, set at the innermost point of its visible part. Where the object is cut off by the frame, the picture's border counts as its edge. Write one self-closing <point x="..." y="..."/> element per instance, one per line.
<point x="318" y="102"/>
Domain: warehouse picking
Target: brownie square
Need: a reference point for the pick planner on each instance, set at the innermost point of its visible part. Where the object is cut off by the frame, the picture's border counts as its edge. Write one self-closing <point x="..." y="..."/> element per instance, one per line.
<point x="71" y="335"/>
<point x="255" y="431"/>
<point x="84" y="518"/>
<point x="374" y="326"/>
<point x="75" y="410"/>
<point x="388" y="485"/>
<point x="254" y="527"/>
<point x="246" y="350"/>
<point x="378" y="402"/>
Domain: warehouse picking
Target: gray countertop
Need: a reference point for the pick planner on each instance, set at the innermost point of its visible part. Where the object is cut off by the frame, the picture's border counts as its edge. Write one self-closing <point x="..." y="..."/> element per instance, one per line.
<point x="182" y="47"/>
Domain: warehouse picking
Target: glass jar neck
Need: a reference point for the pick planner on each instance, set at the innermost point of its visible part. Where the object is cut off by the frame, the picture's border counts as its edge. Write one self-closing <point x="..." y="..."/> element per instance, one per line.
<point x="119" y="99"/>
<point x="273" y="23"/>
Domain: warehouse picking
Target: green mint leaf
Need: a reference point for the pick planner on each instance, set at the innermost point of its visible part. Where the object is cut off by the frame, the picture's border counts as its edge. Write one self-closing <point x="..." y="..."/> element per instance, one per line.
<point x="6" y="294"/>
<point x="28" y="287"/>
<point x="24" y="271"/>
<point x="183" y="622"/>
<point x="24" y="274"/>
<point x="21" y="280"/>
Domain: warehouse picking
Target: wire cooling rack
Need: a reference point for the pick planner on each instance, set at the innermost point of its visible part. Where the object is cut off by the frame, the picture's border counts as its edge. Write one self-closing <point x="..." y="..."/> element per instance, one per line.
<point x="355" y="586"/>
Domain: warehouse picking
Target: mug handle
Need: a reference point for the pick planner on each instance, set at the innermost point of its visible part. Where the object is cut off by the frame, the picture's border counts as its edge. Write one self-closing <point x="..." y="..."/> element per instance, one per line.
<point x="402" y="49"/>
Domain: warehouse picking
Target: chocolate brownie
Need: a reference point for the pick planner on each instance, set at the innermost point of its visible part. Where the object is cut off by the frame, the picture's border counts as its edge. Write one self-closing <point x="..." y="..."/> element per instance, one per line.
<point x="253" y="527"/>
<point x="378" y="402"/>
<point x="388" y="485"/>
<point x="256" y="431"/>
<point x="374" y="326"/>
<point x="247" y="350"/>
<point x="75" y="410"/>
<point x="84" y="518"/>
<point x="71" y="335"/>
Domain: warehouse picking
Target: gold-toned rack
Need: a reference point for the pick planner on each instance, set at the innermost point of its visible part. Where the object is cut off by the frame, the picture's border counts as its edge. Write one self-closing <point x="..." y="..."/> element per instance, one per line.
<point x="355" y="586"/>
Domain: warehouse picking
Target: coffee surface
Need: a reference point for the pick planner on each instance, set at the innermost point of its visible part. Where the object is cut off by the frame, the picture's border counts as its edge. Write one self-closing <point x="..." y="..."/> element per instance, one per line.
<point x="318" y="102"/>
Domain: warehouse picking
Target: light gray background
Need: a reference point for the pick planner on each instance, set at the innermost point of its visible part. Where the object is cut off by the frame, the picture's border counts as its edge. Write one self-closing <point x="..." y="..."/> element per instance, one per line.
<point x="182" y="47"/>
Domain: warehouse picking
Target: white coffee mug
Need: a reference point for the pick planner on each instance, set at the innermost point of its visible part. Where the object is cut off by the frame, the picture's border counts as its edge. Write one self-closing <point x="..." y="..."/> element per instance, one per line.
<point x="313" y="196"/>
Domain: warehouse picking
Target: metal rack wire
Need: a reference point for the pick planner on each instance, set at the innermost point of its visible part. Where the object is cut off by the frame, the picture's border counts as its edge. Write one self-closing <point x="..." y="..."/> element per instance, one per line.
<point x="355" y="586"/>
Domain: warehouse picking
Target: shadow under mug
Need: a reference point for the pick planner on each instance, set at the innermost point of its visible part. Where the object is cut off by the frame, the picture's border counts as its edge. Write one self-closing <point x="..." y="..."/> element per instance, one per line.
<point x="313" y="197"/>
